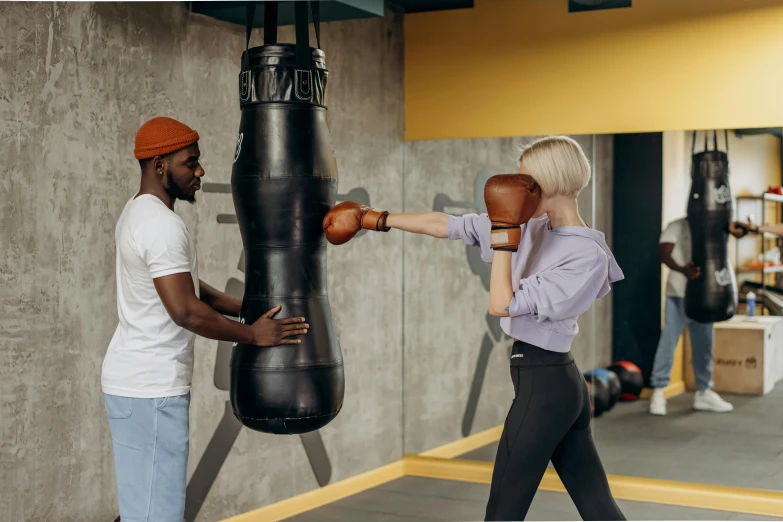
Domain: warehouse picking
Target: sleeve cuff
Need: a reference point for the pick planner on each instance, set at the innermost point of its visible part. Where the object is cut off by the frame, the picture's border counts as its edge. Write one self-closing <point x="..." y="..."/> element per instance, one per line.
<point x="454" y="227"/>
<point x="519" y="305"/>
<point x="169" y="271"/>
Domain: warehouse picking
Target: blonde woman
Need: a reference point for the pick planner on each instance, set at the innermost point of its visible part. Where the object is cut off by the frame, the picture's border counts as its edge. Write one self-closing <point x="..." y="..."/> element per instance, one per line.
<point x="548" y="267"/>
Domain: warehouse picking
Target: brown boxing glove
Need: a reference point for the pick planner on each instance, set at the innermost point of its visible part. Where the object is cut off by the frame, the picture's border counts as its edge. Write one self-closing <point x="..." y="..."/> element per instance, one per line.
<point x="511" y="200"/>
<point x="345" y="220"/>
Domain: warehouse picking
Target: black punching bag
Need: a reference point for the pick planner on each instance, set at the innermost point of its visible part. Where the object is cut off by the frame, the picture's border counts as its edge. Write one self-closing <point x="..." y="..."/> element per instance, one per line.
<point x="284" y="181"/>
<point x="712" y="297"/>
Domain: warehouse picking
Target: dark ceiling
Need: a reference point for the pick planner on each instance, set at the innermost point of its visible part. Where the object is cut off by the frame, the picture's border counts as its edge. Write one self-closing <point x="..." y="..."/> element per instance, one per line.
<point x="330" y="10"/>
<point x="420" y="6"/>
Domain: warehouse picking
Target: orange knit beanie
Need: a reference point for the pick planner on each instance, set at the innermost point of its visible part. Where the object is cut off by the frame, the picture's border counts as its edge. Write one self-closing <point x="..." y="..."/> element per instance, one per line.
<point x="161" y="136"/>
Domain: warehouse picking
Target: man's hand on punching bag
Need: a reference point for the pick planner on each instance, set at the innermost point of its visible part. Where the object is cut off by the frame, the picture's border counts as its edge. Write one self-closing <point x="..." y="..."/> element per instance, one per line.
<point x="691" y="271"/>
<point x="511" y="200"/>
<point x="345" y="220"/>
<point x="268" y="331"/>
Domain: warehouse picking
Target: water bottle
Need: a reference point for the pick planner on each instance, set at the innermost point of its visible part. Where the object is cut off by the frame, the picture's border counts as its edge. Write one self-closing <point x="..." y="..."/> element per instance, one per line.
<point x="751" y="299"/>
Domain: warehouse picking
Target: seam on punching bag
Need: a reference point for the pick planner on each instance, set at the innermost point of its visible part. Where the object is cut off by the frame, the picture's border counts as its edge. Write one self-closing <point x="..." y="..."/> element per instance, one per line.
<point x="292" y="104"/>
<point x="261" y="246"/>
<point x="287" y="104"/>
<point x="261" y="297"/>
<point x="297" y="367"/>
<point x="281" y="247"/>
<point x="306" y="175"/>
<point x="290" y="418"/>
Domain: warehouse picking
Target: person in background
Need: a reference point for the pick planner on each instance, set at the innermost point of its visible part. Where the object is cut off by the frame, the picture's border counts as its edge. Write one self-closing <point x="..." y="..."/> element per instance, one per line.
<point x="675" y="252"/>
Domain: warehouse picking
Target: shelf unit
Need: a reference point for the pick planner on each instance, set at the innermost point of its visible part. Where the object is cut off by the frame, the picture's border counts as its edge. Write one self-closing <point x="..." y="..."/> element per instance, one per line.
<point x="763" y="270"/>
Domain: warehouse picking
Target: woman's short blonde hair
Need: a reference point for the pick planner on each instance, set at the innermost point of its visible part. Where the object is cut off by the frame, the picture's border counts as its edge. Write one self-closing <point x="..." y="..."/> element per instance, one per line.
<point x="558" y="164"/>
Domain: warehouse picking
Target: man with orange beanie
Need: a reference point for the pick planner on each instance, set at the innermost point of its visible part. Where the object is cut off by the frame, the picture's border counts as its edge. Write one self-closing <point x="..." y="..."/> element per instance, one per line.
<point x="162" y="305"/>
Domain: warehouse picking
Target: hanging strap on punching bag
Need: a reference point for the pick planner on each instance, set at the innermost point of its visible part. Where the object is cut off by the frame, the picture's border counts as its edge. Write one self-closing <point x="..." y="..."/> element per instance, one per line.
<point x="316" y="22"/>
<point x="715" y="142"/>
<point x="270" y="23"/>
<point x="244" y="75"/>
<point x="706" y="143"/>
<point x="303" y="73"/>
<point x="303" y="80"/>
<point x="726" y="136"/>
<point x="250" y="14"/>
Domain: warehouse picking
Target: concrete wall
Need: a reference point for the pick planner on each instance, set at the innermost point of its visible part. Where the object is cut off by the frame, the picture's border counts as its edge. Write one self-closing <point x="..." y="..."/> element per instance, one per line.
<point x="79" y="79"/>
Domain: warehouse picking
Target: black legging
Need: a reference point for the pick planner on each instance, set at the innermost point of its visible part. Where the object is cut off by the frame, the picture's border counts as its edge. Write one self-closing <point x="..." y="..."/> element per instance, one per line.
<point x="548" y="420"/>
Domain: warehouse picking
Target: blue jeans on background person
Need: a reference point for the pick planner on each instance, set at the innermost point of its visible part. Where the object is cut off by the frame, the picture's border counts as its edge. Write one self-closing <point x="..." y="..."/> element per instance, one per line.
<point x="150" y="445"/>
<point x="675" y="322"/>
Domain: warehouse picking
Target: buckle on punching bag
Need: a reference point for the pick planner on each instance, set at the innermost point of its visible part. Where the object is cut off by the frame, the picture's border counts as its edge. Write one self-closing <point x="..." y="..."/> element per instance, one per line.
<point x="303" y="84"/>
<point x="244" y="86"/>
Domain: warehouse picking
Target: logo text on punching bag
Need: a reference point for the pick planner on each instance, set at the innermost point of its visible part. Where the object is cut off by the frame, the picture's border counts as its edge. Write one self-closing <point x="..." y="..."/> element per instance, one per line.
<point x="241" y="320"/>
<point x="721" y="194"/>
<point x="244" y="86"/>
<point x="723" y="276"/>
<point x="239" y="146"/>
<point x="303" y="84"/>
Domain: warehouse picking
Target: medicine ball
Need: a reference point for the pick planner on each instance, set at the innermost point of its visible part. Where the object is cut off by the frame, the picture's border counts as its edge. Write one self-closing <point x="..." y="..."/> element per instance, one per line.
<point x="613" y="382"/>
<point x="631" y="380"/>
<point x="590" y="393"/>
<point x="615" y="388"/>
<point x="599" y="391"/>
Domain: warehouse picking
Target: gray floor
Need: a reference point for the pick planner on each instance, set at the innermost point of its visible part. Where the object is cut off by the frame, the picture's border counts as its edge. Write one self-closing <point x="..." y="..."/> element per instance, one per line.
<point x="418" y="499"/>
<point x="743" y="448"/>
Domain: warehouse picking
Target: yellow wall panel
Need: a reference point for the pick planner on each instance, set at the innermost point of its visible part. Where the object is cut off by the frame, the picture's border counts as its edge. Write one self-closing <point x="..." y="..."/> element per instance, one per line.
<point x="528" y="67"/>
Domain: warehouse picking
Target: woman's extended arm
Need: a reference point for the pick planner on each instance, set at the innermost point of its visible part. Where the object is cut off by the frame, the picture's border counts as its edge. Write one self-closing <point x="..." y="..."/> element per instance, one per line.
<point x="435" y="224"/>
<point x="776" y="228"/>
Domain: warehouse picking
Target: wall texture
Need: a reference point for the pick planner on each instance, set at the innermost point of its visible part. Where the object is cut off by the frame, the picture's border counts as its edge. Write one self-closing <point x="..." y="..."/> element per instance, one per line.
<point x="79" y="79"/>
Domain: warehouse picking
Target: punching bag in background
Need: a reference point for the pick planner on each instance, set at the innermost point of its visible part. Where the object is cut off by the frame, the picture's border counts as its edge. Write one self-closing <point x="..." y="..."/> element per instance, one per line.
<point x="712" y="297"/>
<point x="284" y="181"/>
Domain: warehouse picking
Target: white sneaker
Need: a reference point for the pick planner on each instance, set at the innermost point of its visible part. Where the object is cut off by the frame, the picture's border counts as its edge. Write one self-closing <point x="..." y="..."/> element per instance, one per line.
<point x="708" y="400"/>
<point x="658" y="402"/>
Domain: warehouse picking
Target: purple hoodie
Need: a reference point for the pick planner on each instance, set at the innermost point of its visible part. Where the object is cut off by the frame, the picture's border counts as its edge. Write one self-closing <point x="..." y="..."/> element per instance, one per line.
<point x="557" y="273"/>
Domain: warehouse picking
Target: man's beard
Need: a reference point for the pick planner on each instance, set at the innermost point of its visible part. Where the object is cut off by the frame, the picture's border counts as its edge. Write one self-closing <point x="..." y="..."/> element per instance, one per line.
<point x="176" y="191"/>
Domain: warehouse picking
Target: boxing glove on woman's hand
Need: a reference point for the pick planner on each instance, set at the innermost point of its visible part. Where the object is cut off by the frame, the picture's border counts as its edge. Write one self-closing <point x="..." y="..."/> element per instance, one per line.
<point x="345" y="220"/>
<point x="511" y="200"/>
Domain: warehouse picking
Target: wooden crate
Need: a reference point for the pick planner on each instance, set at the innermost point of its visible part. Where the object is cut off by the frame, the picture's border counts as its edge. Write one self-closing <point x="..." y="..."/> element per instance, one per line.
<point x="747" y="358"/>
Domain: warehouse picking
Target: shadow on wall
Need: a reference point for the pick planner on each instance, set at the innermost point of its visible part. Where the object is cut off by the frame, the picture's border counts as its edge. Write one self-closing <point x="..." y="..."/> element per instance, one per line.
<point x="494" y="335"/>
<point x="228" y="429"/>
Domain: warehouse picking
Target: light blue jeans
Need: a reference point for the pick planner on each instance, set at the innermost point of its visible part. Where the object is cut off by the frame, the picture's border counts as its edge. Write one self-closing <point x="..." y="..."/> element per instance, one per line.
<point x="675" y="322"/>
<point x="150" y="444"/>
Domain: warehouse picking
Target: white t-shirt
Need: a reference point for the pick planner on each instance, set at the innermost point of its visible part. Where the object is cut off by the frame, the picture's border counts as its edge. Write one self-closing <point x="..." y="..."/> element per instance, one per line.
<point x="149" y="355"/>
<point x="679" y="233"/>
